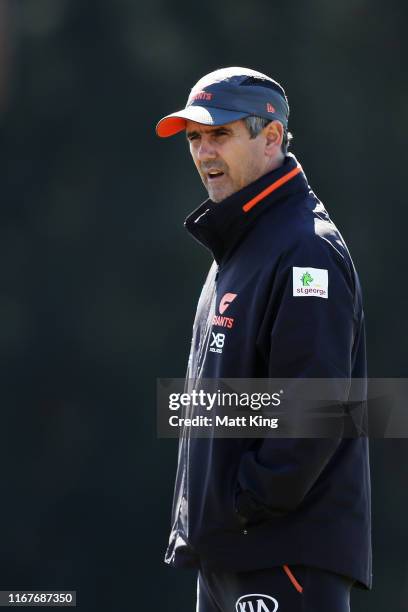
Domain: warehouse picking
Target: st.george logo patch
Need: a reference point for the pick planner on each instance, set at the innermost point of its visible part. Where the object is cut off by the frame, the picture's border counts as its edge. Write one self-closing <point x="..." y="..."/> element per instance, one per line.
<point x="310" y="281"/>
<point x="256" y="602"/>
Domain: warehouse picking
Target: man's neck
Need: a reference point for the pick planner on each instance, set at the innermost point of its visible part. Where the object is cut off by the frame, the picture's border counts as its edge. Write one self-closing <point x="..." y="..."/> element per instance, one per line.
<point x="277" y="162"/>
<point x="274" y="163"/>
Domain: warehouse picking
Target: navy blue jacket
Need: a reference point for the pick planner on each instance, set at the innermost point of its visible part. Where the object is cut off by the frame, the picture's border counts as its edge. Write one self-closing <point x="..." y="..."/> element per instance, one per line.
<point x="285" y="297"/>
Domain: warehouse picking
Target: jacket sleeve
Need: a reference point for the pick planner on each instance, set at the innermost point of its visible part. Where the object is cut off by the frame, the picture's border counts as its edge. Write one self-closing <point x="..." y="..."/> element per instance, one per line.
<point x="305" y="333"/>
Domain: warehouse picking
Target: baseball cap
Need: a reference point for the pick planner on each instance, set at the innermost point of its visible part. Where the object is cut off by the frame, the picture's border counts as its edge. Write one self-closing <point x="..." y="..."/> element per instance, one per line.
<point x="226" y="95"/>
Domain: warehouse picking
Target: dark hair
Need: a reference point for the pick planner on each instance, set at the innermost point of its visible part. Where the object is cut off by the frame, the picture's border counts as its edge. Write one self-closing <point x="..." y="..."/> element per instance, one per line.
<point x="255" y="125"/>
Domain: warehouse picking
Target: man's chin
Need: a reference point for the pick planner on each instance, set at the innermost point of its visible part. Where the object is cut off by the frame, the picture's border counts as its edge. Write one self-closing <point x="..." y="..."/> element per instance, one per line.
<point x="218" y="195"/>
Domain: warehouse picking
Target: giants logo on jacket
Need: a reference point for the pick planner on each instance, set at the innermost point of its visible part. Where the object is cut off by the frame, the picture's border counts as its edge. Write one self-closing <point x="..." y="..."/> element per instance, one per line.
<point x="219" y="320"/>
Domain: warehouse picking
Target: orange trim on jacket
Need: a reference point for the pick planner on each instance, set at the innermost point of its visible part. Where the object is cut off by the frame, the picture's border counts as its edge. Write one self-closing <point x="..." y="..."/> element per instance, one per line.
<point x="284" y="179"/>
<point x="293" y="580"/>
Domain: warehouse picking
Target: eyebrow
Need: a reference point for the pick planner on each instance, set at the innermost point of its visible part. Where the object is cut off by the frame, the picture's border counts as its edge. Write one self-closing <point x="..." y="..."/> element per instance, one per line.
<point x="213" y="130"/>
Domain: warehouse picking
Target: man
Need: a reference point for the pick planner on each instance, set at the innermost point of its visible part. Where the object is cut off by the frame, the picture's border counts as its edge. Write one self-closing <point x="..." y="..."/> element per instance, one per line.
<point x="271" y="524"/>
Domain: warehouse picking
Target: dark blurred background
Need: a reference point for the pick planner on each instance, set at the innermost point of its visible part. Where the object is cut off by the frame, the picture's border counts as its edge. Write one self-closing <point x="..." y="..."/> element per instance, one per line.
<point x="99" y="280"/>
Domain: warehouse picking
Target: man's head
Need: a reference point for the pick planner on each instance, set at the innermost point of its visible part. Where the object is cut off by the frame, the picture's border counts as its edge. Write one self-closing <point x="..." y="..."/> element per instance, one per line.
<point x="236" y="123"/>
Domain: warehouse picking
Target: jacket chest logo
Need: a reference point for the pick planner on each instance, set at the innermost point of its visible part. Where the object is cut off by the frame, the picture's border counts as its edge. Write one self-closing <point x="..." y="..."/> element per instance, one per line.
<point x="256" y="602"/>
<point x="218" y="319"/>
<point x="217" y="342"/>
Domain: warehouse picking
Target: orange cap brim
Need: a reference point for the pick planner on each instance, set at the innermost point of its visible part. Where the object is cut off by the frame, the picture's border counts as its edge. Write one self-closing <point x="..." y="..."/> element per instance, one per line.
<point x="176" y="122"/>
<point x="168" y="126"/>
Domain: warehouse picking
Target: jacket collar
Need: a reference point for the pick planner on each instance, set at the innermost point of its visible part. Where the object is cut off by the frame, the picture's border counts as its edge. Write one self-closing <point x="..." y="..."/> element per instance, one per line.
<point x="219" y="227"/>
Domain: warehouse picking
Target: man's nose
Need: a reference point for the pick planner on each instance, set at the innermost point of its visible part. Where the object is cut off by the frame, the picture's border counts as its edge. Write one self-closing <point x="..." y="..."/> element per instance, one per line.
<point x="206" y="151"/>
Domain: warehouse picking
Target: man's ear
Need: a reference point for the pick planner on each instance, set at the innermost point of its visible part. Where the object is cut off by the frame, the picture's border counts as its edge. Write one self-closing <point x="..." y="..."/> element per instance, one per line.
<point x="274" y="137"/>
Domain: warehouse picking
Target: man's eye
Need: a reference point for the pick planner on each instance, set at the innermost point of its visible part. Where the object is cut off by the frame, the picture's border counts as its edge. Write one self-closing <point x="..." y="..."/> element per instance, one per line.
<point x="193" y="137"/>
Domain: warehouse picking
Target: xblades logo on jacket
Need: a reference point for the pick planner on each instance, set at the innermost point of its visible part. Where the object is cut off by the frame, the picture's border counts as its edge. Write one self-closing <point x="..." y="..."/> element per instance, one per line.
<point x="225" y="301"/>
<point x="217" y="342"/>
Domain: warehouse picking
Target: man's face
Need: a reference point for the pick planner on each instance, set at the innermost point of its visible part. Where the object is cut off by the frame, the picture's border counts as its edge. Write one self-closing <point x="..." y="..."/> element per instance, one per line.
<point x="225" y="156"/>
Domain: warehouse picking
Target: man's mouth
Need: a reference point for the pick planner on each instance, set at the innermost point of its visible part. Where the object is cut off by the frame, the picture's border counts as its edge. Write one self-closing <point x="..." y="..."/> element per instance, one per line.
<point x="214" y="174"/>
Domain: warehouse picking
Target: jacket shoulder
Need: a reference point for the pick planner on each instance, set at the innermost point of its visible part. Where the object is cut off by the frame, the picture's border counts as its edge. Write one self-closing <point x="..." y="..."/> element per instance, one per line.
<point x="312" y="232"/>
